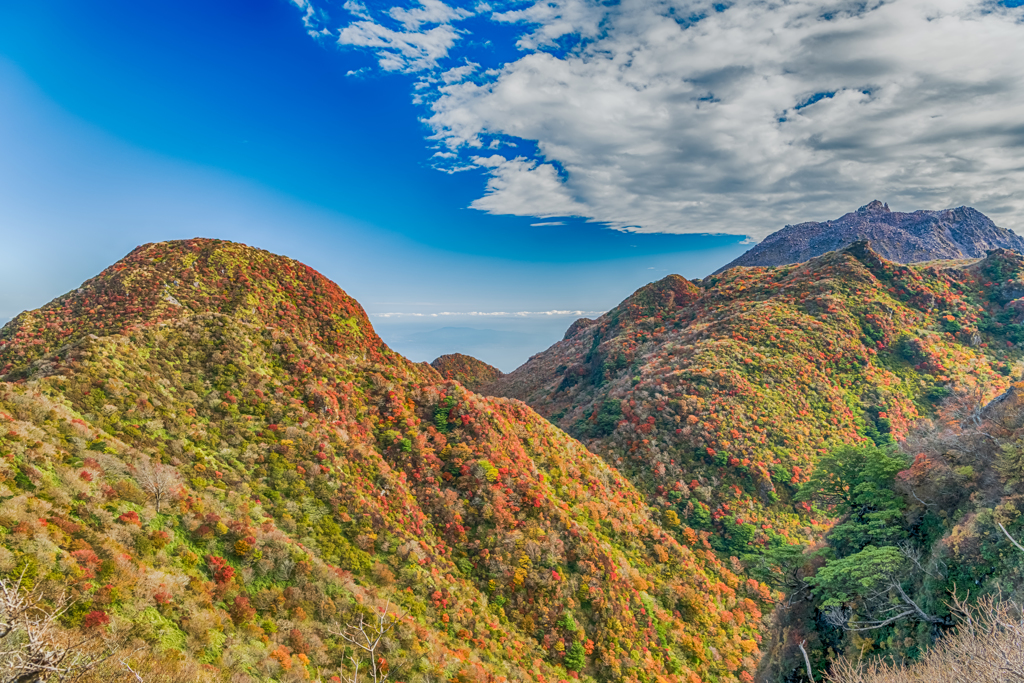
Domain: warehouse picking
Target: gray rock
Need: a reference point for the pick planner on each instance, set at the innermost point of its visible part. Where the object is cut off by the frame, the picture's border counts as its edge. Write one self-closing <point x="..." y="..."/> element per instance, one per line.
<point x="959" y="233"/>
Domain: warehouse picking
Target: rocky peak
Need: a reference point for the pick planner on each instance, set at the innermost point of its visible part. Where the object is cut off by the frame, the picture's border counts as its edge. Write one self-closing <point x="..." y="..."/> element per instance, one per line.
<point x="874" y="207"/>
<point x="960" y="233"/>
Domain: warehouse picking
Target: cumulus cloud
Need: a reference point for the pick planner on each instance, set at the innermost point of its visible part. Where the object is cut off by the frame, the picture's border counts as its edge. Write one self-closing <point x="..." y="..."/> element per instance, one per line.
<point x="554" y="19"/>
<point x="693" y="116"/>
<point x="522" y="187"/>
<point x="459" y="73"/>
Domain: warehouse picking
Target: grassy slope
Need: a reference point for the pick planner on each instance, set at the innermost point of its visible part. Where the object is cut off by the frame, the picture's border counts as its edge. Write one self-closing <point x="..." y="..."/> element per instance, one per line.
<point x="331" y="475"/>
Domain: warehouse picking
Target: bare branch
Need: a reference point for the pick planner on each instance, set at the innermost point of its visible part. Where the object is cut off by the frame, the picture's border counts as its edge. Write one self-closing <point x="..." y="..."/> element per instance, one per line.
<point x="367" y="639"/>
<point x="159" y="481"/>
<point x="807" y="660"/>
<point x="33" y="645"/>
<point x="1012" y="539"/>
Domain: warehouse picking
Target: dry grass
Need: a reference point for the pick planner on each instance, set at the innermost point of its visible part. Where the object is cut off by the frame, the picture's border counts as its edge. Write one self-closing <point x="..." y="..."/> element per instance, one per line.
<point x="987" y="646"/>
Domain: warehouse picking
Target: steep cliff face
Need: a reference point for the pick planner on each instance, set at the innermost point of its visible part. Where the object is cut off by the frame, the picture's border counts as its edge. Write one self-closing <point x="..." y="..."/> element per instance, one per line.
<point x="317" y="478"/>
<point x="717" y="401"/>
<point x="961" y="233"/>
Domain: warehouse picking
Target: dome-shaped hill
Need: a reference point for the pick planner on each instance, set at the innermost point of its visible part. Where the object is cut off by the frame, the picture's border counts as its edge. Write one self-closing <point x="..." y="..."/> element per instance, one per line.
<point x="471" y="372"/>
<point x="167" y="280"/>
<point x="658" y="299"/>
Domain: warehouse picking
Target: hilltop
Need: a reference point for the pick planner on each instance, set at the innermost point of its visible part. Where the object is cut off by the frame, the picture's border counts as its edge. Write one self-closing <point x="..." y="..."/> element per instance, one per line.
<point x="472" y="373"/>
<point x="212" y="450"/>
<point x="961" y="233"/>
<point x="717" y="398"/>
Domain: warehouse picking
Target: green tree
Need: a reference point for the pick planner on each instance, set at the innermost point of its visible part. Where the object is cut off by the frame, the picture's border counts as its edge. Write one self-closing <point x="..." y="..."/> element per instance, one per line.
<point x="856" y="484"/>
<point x="575" y="657"/>
<point x="858" y="576"/>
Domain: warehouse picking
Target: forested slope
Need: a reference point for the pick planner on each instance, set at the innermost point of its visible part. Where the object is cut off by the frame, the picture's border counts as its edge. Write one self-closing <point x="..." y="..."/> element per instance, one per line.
<point x="717" y="398"/>
<point x="309" y="477"/>
<point x="471" y="372"/>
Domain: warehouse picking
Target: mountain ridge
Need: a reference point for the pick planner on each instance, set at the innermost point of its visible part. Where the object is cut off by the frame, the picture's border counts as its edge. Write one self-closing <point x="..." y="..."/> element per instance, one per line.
<point x="960" y="233"/>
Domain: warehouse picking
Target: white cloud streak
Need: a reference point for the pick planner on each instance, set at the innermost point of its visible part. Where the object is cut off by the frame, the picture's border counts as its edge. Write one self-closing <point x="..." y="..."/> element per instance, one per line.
<point x="491" y="314"/>
<point x="671" y="116"/>
<point x="423" y="38"/>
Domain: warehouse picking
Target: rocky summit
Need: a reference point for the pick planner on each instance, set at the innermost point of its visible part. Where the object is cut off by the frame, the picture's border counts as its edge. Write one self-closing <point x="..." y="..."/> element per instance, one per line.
<point x="961" y="233"/>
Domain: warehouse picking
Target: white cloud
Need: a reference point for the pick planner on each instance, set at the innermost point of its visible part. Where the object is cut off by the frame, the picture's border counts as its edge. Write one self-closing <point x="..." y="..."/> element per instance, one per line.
<point x="405" y="51"/>
<point x="357" y="9"/>
<point x="410" y="46"/>
<point x="491" y="314"/>
<point x="521" y="187"/>
<point x="459" y="73"/>
<point x="312" y="19"/>
<point x="554" y="19"/>
<point x="671" y="116"/>
<point x="429" y="12"/>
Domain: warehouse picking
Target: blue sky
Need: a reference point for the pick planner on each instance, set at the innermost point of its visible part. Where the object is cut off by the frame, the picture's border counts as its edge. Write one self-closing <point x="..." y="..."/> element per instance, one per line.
<point x="483" y="158"/>
<point x="126" y="122"/>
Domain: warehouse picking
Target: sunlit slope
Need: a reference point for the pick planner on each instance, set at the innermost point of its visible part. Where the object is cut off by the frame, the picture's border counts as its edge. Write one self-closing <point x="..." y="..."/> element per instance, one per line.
<point x="471" y="372"/>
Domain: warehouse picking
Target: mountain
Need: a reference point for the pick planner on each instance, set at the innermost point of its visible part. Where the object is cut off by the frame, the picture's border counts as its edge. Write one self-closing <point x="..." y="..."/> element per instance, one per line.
<point x="468" y="371"/>
<point x="718" y="398"/>
<point x="211" y="452"/>
<point x="961" y="233"/>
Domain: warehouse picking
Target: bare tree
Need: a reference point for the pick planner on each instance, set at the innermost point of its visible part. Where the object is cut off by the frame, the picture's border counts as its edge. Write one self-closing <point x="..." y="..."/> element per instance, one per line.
<point x="34" y="647"/>
<point x="366" y="639"/>
<point x="987" y="646"/>
<point x="159" y="481"/>
<point x="1012" y="539"/>
<point x="807" y="660"/>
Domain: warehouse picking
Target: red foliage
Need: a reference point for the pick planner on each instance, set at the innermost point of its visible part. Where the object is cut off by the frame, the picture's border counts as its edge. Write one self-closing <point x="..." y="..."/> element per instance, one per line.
<point x="242" y="611"/>
<point x="130" y="517"/>
<point x="222" y="572"/>
<point x="96" y="619"/>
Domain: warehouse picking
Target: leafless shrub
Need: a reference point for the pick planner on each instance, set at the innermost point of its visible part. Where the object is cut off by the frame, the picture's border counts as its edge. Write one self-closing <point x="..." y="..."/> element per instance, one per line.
<point x="160" y="482"/>
<point x="367" y="638"/>
<point x="34" y="647"/>
<point x="987" y="646"/>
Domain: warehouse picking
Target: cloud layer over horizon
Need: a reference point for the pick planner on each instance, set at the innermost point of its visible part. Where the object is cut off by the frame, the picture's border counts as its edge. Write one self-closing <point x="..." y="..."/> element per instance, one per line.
<point x="697" y="117"/>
